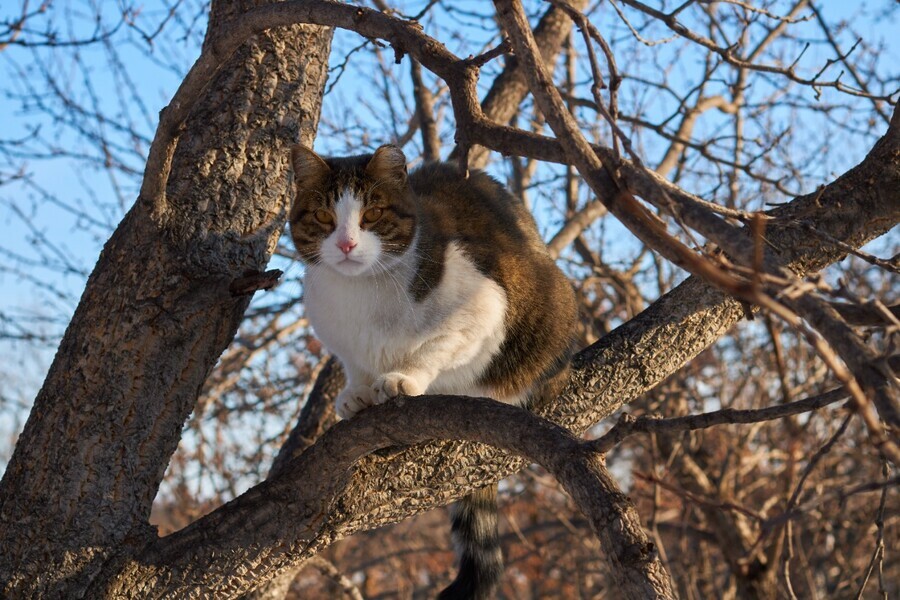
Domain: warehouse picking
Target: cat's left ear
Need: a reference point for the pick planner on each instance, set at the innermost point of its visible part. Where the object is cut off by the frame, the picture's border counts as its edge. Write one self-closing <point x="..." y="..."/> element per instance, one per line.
<point x="388" y="163"/>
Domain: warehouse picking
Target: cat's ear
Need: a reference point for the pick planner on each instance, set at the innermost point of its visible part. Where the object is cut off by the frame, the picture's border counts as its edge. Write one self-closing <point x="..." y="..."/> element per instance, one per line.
<point x="388" y="163"/>
<point x="309" y="168"/>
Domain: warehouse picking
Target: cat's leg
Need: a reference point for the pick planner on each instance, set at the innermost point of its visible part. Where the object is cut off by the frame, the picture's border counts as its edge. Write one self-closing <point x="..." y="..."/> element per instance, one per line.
<point x="463" y="344"/>
<point x="357" y="394"/>
<point x="415" y="374"/>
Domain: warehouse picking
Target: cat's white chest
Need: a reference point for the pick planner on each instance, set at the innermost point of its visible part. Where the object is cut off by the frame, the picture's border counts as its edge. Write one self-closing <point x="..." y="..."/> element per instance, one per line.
<point x="351" y="315"/>
<point x="373" y="325"/>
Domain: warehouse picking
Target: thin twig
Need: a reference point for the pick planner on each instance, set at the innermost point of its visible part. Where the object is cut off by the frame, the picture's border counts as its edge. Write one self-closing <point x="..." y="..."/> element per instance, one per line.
<point x="628" y="425"/>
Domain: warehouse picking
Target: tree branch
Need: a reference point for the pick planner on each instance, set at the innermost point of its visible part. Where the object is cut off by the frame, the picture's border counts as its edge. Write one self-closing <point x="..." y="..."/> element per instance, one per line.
<point x="257" y="531"/>
<point x="628" y="425"/>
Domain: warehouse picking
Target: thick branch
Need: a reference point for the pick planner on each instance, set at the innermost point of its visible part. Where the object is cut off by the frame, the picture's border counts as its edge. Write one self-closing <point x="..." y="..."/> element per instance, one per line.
<point x="155" y="315"/>
<point x="257" y="531"/>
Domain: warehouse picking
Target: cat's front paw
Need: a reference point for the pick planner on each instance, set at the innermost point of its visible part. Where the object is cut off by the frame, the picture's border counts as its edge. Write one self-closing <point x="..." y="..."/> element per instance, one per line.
<point x="391" y="385"/>
<point x="353" y="399"/>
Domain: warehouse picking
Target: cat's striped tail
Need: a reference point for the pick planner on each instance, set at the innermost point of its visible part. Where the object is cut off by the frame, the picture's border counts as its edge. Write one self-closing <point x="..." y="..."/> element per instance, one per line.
<point x="477" y="541"/>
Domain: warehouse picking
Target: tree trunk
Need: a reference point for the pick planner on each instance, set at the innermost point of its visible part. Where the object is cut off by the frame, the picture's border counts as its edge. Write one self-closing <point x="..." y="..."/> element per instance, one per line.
<point x="153" y="319"/>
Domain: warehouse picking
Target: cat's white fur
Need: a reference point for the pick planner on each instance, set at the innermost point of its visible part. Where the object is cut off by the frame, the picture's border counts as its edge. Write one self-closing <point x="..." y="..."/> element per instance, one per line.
<point x="359" y="306"/>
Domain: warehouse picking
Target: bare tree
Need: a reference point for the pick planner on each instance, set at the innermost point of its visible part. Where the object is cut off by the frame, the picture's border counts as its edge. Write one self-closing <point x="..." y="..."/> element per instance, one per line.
<point x="737" y="480"/>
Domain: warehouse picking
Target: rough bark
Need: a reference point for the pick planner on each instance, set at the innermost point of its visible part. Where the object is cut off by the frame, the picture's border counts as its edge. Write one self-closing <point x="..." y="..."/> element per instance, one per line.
<point x="180" y="565"/>
<point x="153" y="319"/>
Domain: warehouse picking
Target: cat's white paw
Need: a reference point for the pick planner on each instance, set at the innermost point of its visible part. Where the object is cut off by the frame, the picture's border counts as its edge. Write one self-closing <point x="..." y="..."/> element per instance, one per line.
<point x="391" y="385"/>
<point x="353" y="399"/>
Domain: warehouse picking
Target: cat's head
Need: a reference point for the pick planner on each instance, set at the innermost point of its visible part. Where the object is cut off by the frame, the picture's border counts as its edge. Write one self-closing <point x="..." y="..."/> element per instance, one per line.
<point x="357" y="214"/>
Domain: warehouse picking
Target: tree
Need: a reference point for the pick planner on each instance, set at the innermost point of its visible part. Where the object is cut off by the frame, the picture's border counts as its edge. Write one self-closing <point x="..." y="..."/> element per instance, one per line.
<point x="174" y="281"/>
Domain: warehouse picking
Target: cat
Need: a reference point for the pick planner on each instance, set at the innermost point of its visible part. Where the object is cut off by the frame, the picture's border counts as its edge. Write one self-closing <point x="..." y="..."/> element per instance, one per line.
<point x="431" y="282"/>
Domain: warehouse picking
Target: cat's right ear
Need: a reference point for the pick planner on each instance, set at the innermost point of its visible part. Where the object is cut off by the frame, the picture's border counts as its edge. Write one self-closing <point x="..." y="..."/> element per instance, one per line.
<point x="309" y="168"/>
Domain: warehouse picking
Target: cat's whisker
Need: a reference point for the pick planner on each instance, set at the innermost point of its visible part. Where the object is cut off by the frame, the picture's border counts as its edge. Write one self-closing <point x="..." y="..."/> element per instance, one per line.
<point x="416" y="253"/>
<point x="401" y="289"/>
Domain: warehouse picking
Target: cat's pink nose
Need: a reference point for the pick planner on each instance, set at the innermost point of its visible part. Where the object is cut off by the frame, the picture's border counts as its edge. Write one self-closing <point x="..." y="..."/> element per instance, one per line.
<point x="346" y="246"/>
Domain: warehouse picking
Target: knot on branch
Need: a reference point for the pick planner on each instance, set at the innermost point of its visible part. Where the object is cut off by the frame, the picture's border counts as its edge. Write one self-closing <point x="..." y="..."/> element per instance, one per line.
<point x="399" y="52"/>
<point x="253" y="281"/>
<point x="638" y="554"/>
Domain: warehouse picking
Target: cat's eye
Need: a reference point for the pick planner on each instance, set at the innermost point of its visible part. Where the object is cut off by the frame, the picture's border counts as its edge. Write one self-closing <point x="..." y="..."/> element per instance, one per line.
<point x="324" y="217"/>
<point x="372" y="215"/>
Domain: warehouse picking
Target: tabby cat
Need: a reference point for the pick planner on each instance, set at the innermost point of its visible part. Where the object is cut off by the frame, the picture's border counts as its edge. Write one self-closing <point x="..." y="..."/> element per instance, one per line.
<point x="431" y="282"/>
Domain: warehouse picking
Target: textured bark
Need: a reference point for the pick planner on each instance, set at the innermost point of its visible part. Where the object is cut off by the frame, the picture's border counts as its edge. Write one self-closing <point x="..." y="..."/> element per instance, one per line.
<point x="154" y="317"/>
<point x="249" y="533"/>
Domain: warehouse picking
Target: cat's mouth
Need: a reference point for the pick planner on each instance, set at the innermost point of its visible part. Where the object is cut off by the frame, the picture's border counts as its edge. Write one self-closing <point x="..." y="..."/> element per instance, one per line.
<point x="350" y="266"/>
